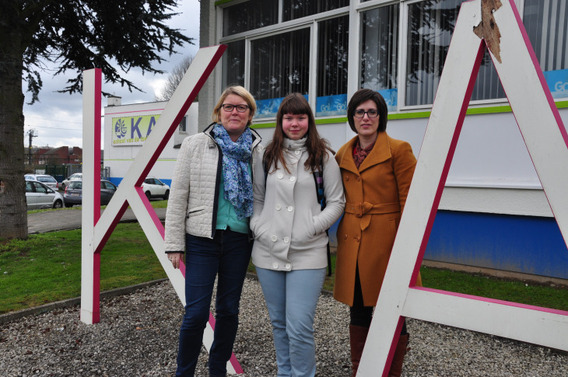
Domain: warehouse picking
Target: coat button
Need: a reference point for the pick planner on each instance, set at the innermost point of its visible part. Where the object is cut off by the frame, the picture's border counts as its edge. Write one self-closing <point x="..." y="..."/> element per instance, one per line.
<point x="288" y="266"/>
<point x="292" y="179"/>
<point x="290" y="208"/>
<point x="274" y="238"/>
<point x="358" y="179"/>
<point x="297" y="152"/>
<point x="286" y="239"/>
<point x="278" y="207"/>
<point x="280" y="175"/>
<point x="274" y="265"/>
<point x="345" y="236"/>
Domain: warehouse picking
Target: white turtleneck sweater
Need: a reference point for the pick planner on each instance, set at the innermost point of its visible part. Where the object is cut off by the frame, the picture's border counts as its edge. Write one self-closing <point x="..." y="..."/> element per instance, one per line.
<point x="288" y="224"/>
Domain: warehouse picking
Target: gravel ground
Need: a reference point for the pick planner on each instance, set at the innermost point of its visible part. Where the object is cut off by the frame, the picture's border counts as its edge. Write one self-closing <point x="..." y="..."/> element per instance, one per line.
<point x="138" y="334"/>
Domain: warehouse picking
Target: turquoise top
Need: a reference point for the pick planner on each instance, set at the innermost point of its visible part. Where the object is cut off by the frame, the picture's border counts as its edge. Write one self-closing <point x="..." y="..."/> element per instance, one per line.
<point x="226" y="215"/>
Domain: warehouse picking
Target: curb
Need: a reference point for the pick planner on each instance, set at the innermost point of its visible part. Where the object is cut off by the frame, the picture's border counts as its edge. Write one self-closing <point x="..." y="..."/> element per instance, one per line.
<point x="12" y="316"/>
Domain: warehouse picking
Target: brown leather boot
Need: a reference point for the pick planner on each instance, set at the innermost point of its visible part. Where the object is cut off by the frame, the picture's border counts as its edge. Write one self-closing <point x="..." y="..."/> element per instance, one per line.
<point x="357" y="338"/>
<point x="399" y="353"/>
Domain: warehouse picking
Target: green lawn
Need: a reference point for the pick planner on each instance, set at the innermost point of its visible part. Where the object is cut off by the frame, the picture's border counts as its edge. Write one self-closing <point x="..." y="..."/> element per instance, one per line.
<point x="47" y="267"/>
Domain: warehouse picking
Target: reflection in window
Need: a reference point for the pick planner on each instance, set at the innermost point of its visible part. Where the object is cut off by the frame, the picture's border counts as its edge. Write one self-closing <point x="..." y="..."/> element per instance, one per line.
<point x="547" y="28"/>
<point x="379" y="52"/>
<point x="301" y="8"/>
<point x="249" y="15"/>
<point x="279" y="65"/>
<point x="333" y="46"/>
<point x="430" y="27"/>
<point x="234" y="64"/>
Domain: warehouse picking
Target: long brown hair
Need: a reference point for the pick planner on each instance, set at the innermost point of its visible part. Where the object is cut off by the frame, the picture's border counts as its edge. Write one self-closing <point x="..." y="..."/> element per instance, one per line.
<point x="296" y="104"/>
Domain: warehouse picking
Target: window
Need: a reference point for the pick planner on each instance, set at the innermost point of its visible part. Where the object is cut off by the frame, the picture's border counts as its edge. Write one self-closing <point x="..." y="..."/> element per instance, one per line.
<point x="300" y="8"/>
<point x="183" y="125"/>
<point x="547" y="27"/>
<point x="333" y="48"/>
<point x="249" y="15"/>
<point x="234" y="64"/>
<point x="379" y="52"/>
<point x="279" y="65"/>
<point x="430" y="27"/>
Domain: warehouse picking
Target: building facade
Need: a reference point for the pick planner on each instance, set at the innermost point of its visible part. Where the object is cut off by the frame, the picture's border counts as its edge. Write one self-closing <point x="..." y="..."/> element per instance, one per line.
<point x="493" y="213"/>
<point x="126" y="127"/>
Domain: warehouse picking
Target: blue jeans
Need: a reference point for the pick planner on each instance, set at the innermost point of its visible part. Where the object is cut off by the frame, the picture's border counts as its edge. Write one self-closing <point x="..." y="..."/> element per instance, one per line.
<point x="226" y="256"/>
<point x="291" y="298"/>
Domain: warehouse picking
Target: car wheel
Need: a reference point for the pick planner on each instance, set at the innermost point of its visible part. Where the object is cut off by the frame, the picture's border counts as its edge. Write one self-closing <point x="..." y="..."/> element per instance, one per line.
<point x="167" y="195"/>
<point x="148" y="195"/>
<point x="58" y="204"/>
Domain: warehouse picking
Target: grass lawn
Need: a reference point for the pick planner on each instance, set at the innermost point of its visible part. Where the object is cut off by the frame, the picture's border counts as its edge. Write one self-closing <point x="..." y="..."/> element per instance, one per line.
<point x="47" y="267"/>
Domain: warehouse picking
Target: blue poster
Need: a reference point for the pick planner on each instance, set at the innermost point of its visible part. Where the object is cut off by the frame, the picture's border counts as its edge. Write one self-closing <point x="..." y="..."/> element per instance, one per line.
<point x="331" y="105"/>
<point x="557" y="82"/>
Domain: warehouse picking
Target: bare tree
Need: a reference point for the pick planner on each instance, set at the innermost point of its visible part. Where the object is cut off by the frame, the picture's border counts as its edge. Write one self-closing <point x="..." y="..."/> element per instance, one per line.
<point x="174" y="78"/>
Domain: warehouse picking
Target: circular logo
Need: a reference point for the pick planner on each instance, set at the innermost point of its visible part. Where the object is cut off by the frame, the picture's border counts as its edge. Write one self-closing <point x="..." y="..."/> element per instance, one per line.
<point x="120" y="129"/>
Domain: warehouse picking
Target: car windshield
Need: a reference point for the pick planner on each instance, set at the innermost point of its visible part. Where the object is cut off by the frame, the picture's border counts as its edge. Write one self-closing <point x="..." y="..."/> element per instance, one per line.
<point x="46" y="179"/>
<point x="76" y="185"/>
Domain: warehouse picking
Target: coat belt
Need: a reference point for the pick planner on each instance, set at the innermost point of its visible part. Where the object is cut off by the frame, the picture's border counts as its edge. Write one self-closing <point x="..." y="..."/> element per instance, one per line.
<point x="366" y="208"/>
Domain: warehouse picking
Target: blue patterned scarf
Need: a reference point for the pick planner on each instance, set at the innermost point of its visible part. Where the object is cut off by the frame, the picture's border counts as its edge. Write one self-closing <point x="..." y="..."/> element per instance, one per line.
<point x="236" y="158"/>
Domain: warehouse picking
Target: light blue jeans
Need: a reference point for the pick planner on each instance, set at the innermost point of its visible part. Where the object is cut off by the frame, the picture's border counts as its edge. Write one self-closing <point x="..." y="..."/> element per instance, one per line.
<point x="291" y="298"/>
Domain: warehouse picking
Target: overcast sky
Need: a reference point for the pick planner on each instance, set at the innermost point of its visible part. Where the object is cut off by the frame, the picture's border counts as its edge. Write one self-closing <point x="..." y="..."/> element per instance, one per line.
<point x="57" y="117"/>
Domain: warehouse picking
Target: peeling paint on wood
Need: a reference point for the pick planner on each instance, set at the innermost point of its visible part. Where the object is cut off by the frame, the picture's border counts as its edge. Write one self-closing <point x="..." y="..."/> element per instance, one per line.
<point x="488" y="28"/>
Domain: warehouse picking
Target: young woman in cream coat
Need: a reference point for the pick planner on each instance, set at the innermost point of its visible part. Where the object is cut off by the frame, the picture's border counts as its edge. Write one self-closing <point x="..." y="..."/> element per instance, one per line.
<point x="289" y="226"/>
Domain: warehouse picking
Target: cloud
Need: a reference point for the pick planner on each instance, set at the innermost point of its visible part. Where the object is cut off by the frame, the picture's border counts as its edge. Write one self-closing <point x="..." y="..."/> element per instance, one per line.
<point x="57" y="117"/>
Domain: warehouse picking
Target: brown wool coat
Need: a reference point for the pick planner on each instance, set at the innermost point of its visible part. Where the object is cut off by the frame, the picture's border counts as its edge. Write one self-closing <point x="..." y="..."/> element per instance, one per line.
<point x="375" y="195"/>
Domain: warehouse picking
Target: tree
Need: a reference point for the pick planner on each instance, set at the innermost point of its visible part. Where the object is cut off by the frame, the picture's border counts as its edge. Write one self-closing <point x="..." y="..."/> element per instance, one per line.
<point x="74" y="35"/>
<point x="174" y="78"/>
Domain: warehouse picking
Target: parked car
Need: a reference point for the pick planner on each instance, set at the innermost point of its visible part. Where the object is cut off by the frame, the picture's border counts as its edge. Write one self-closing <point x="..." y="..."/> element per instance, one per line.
<point x="72" y="177"/>
<point x="154" y="188"/>
<point x="39" y="196"/>
<point x="46" y="179"/>
<point x="74" y="192"/>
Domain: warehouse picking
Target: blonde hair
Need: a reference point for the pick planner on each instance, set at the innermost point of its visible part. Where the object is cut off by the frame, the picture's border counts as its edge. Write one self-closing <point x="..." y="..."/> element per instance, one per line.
<point x="239" y="91"/>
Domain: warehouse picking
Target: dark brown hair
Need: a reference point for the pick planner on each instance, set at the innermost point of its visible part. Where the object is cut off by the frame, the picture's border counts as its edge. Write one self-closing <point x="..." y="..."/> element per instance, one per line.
<point x="296" y="103"/>
<point x="363" y="95"/>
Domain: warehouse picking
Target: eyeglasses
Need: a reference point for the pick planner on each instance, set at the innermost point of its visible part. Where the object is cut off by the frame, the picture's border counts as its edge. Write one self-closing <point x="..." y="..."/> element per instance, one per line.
<point x="240" y="108"/>
<point x="370" y="113"/>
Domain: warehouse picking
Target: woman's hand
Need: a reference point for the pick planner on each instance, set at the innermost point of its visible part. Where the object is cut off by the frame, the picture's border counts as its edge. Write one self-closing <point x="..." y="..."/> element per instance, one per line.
<point x="175" y="258"/>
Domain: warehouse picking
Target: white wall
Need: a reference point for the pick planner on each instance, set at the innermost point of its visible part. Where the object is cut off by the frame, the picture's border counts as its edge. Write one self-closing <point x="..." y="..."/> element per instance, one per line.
<point x="119" y="158"/>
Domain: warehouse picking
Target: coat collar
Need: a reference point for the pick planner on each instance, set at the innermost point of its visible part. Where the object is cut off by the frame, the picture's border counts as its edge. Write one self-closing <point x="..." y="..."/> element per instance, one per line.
<point x="256" y="139"/>
<point x="380" y="153"/>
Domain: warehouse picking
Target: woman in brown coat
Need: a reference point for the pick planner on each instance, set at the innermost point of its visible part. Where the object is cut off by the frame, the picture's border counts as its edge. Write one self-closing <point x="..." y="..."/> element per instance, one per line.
<point x="376" y="171"/>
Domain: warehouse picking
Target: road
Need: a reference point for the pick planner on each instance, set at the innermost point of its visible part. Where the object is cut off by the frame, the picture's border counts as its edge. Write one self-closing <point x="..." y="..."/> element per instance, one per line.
<point x="67" y="219"/>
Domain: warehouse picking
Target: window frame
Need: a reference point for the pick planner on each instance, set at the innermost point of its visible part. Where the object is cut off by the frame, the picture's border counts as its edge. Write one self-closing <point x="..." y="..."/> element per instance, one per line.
<point x="355" y="12"/>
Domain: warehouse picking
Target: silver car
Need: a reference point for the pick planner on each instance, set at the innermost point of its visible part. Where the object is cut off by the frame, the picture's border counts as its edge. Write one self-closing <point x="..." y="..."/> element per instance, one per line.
<point x="46" y="179"/>
<point x="40" y="196"/>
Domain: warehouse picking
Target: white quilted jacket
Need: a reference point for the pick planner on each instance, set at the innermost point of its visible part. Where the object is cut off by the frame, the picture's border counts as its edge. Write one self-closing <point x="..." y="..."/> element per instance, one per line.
<point x="193" y="199"/>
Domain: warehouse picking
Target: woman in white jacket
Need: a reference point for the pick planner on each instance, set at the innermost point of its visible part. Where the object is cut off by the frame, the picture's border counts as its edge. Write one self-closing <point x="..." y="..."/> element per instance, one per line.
<point x="208" y="219"/>
<point x="289" y="226"/>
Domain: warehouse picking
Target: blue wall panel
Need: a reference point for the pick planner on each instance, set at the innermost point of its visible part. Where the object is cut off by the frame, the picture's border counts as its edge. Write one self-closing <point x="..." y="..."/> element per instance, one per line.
<point x="532" y="245"/>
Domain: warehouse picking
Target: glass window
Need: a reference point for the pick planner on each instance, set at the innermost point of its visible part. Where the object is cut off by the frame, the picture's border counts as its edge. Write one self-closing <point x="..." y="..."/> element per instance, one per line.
<point x="234" y="64"/>
<point x="430" y="27"/>
<point x="183" y="124"/>
<point x="279" y="66"/>
<point x="379" y="52"/>
<point x="547" y="27"/>
<point x="333" y="46"/>
<point x="301" y="8"/>
<point x="249" y="15"/>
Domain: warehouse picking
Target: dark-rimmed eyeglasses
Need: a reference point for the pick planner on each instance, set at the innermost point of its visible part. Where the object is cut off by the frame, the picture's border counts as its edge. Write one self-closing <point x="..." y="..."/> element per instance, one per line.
<point x="370" y="113"/>
<point x="229" y="108"/>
